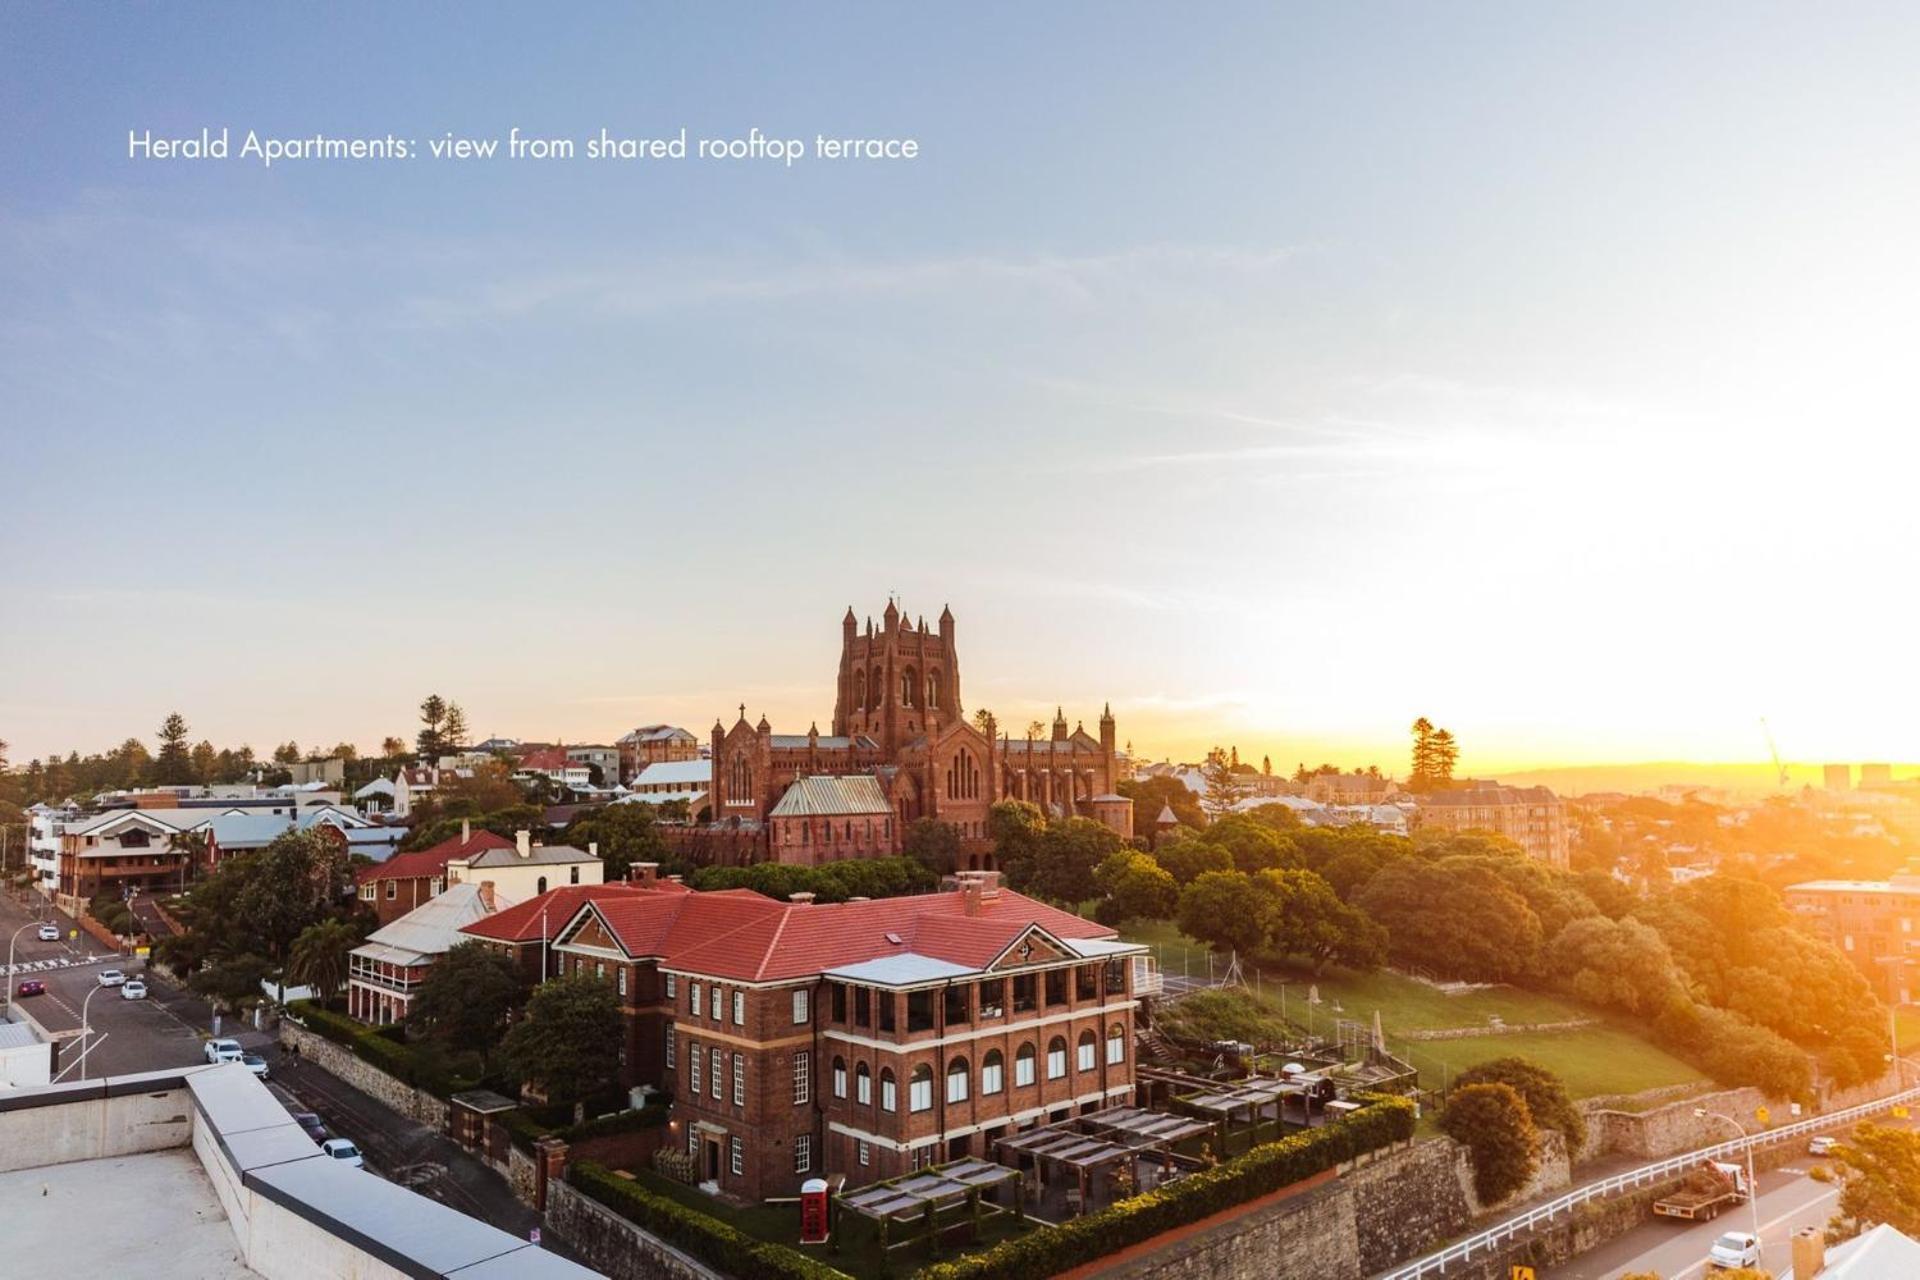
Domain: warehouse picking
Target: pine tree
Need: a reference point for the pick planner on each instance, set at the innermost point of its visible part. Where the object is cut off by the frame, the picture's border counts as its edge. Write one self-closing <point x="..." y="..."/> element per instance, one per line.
<point x="1445" y="753"/>
<point x="454" y="736"/>
<point x="430" y="742"/>
<point x="1422" y="775"/>
<point x="174" y="765"/>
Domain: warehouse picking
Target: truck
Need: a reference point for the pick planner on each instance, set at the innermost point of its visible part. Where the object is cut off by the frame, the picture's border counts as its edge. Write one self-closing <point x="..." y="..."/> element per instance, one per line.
<point x="1704" y="1192"/>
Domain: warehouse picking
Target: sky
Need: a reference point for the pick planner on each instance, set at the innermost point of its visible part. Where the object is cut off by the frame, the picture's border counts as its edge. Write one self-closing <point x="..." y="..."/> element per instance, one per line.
<point x="1547" y="371"/>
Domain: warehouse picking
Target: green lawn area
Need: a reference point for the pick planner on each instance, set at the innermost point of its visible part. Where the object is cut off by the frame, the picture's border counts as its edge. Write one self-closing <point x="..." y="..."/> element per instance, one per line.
<point x="859" y="1250"/>
<point x="1907" y="1027"/>
<point x="1594" y="1060"/>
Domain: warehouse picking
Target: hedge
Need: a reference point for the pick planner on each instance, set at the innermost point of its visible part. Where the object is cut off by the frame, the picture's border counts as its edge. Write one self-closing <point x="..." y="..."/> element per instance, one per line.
<point x="1265" y="1169"/>
<point x="651" y="1116"/>
<point x="706" y="1238"/>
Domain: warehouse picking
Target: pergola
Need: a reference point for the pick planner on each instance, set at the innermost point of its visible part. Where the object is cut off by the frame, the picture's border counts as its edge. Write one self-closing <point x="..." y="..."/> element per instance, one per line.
<point x="923" y="1195"/>
<point x="1251" y="1096"/>
<point x="1083" y="1145"/>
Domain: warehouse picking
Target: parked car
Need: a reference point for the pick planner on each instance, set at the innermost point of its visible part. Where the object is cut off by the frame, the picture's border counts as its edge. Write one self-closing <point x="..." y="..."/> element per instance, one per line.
<point x="254" y="1063"/>
<point x="49" y="933"/>
<point x="111" y="977"/>
<point x="344" y="1151"/>
<point x="310" y="1122"/>
<point x="31" y="987"/>
<point x="1732" y="1250"/>
<point x="1822" y="1144"/>
<point x="133" y="989"/>
<point x="223" y="1051"/>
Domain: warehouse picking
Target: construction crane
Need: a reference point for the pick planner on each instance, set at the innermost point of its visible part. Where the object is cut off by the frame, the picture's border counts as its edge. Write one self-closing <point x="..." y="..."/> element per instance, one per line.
<point x="1779" y="770"/>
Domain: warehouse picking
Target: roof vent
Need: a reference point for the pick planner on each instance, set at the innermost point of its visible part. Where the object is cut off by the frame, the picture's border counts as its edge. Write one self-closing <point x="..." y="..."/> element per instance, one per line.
<point x="801" y="899"/>
<point x="896" y="939"/>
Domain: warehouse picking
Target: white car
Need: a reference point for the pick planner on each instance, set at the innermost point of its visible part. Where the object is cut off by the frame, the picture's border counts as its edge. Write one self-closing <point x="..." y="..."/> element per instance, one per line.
<point x="344" y="1151"/>
<point x="254" y="1063"/>
<point x="1822" y="1145"/>
<point x="111" y="977"/>
<point x="49" y="933"/>
<point x="223" y="1051"/>
<point x="133" y="989"/>
<point x="1734" y="1249"/>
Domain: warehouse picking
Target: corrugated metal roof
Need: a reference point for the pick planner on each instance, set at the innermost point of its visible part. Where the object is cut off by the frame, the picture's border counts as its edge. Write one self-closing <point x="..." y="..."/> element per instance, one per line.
<point x="541" y="854"/>
<point x="857" y="793"/>
<point x="431" y="928"/>
<point x="677" y="773"/>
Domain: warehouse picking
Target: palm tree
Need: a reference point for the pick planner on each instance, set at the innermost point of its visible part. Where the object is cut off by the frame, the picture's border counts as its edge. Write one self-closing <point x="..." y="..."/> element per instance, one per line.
<point x="320" y="956"/>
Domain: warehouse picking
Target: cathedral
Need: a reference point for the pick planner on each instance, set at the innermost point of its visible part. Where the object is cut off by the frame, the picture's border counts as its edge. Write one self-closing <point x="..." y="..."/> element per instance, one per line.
<point x="898" y="719"/>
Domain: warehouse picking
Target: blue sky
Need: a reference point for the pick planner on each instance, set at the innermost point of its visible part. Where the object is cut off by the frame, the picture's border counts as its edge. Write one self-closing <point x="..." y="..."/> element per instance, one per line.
<point x="1278" y="376"/>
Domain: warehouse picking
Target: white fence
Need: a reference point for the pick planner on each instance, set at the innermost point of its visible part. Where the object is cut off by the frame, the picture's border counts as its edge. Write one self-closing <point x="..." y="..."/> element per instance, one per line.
<point x="1436" y="1264"/>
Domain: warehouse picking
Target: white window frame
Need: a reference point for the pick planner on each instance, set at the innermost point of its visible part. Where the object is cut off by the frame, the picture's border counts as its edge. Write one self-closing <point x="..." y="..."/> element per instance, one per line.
<point x="669" y="1047"/>
<point x="1116" y="1048"/>
<point x="802" y="1077"/>
<point x="863" y="1151"/>
<point x="693" y="993"/>
<point x="1025" y="1068"/>
<point x="993" y="1075"/>
<point x="736" y="1156"/>
<point x="739" y="1008"/>
<point x="739" y="1079"/>
<point x="673" y="987"/>
<point x="1085" y="1055"/>
<point x="863" y="1084"/>
<point x="889" y="1091"/>
<point x="1061" y="1064"/>
<point x="694" y="1063"/>
<point x="620" y="978"/>
<point x="717" y="1001"/>
<point x="958" y="1084"/>
<point x="802" y="1005"/>
<point x="920" y="1092"/>
<point x="715" y="1086"/>
<point x="839" y="1077"/>
<point x="803" y="1153"/>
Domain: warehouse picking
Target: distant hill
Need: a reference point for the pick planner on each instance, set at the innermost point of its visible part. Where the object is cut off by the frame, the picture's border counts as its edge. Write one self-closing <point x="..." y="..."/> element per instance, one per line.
<point x="1752" y="778"/>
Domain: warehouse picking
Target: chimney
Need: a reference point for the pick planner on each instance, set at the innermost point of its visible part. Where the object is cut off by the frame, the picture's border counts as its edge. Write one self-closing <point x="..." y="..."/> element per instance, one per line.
<point x="970" y="894"/>
<point x="466" y="831"/>
<point x="802" y="899"/>
<point x="523" y="843"/>
<point x="1809" y="1252"/>
<point x="593" y="848"/>
<point x="486" y="896"/>
<point x="859" y="899"/>
<point x="646" y="873"/>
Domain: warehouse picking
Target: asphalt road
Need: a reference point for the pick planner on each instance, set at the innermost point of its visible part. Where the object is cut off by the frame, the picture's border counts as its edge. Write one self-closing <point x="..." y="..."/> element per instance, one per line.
<point x="168" y="1029"/>
<point x="1789" y="1199"/>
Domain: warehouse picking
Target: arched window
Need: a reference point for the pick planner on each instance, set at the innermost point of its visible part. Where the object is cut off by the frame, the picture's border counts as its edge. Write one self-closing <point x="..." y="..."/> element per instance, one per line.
<point x="859" y="690"/>
<point x="839" y="1077"/>
<point x="542" y="886"/>
<point x="739" y="780"/>
<point x="920" y="1089"/>
<point x="876" y="690"/>
<point x="909" y="693"/>
<point x="1023" y="1065"/>
<point x="888" y="1102"/>
<point x="993" y="1073"/>
<point x="1085" y="1053"/>
<point x="1056" y="1058"/>
<point x="1116" y="1043"/>
<point x="863" y="1085"/>
<point x="957" y="1076"/>
<point x="933" y="690"/>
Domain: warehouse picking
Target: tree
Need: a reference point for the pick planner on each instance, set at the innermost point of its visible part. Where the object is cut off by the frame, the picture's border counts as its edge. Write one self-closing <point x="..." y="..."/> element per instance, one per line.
<point x="1015" y="827"/>
<point x="1457" y="922"/>
<point x="1493" y="1123"/>
<point x="453" y="736"/>
<point x="623" y="833"/>
<point x="292" y="883"/>
<point x="932" y="843"/>
<point x="1225" y="788"/>
<point x="206" y="763"/>
<point x="467" y="997"/>
<point x="1420" y="777"/>
<point x="174" y="765"/>
<point x="1069" y="852"/>
<point x="1616" y="964"/>
<point x="1151" y="795"/>
<point x="1445" y="754"/>
<point x="319" y="957"/>
<point x="1308" y="918"/>
<point x="983" y="721"/>
<point x="1224" y="909"/>
<point x="1252" y="844"/>
<point x="569" y="1041"/>
<point x="1544" y="1092"/>
<point x="391" y="747"/>
<point x="431" y="741"/>
<point x="1136" y="887"/>
<point x="344" y="751"/>
<point x="1190" y="857"/>
<point x="1879" y="1182"/>
<point x="287" y="753"/>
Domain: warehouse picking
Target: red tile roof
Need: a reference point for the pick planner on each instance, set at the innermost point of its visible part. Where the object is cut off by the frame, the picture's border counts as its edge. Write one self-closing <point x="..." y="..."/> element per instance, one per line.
<point x="548" y="758"/>
<point x="739" y="934"/>
<point x="542" y="916"/>
<point x="431" y="862"/>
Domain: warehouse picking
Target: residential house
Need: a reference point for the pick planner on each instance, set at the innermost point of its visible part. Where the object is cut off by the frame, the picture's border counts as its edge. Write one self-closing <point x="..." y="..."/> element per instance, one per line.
<point x="525" y="870"/>
<point x="408" y="880"/>
<point x="385" y="972"/>
<point x="605" y="759"/>
<point x="555" y="765"/>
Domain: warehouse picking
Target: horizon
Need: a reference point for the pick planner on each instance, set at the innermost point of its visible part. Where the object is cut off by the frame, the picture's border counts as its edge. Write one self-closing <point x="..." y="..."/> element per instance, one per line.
<point x="1277" y="390"/>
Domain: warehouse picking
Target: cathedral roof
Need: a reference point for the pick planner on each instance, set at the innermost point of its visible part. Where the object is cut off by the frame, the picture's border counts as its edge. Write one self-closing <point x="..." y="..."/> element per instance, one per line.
<point x="857" y="793"/>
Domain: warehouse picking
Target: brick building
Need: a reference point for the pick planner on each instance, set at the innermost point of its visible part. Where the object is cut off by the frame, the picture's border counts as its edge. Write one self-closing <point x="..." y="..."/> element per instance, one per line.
<point x="1532" y="817"/>
<point x="408" y="880"/>
<point x="1874" y="923"/>
<point x="865" y="1038"/>
<point x="654" y="744"/>
<point x="898" y="716"/>
<point x="825" y="819"/>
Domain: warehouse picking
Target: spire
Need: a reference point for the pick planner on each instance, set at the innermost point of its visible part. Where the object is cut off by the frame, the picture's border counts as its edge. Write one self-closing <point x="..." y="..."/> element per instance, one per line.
<point x="1106" y="711"/>
<point x="763" y="727"/>
<point x="743" y="713"/>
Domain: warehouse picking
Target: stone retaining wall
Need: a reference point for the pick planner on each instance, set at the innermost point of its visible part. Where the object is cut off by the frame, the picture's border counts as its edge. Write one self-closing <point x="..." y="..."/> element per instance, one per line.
<point x="612" y="1245"/>
<point x="338" y="1060"/>
<point x="1663" y="1131"/>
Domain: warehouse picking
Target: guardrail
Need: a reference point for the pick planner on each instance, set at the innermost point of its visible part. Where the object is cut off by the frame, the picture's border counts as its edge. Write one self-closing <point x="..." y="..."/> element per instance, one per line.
<point x="1435" y="1264"/>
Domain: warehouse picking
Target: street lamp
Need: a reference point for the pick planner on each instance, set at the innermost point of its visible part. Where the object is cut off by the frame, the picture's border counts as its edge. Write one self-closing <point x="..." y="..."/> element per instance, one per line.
<point x="1753" y="1188"/>
<point x="86" y="1028"/>
<point x="31" y="924"/>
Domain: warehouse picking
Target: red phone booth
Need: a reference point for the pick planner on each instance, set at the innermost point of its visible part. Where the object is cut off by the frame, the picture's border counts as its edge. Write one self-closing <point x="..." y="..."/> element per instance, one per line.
<point x="813" y="1211"/>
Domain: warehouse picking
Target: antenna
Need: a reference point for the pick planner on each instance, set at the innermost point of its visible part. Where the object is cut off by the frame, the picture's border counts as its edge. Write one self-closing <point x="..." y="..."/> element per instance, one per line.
<point x="1779" y="770"/>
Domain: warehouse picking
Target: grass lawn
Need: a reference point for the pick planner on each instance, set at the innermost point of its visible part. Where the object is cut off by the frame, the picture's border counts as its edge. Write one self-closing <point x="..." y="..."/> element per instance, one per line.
<point x="1907" y="1027"/>
<point x="1594" y="1060"/>
<point x="859" y="1253"/>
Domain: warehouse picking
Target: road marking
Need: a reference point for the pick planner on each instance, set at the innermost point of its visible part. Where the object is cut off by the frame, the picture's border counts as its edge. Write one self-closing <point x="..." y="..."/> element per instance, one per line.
<point x="1765" y="1227"/>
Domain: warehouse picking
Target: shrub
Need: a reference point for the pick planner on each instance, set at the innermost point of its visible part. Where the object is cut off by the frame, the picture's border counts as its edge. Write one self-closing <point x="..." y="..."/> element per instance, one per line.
<point x="1265" y="1169"/>
<point x="1545" y="1095"/>
<point x="1492" y="1121"/>
<point x="712" y="1241"/>
<point x="651" y="1116"/>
